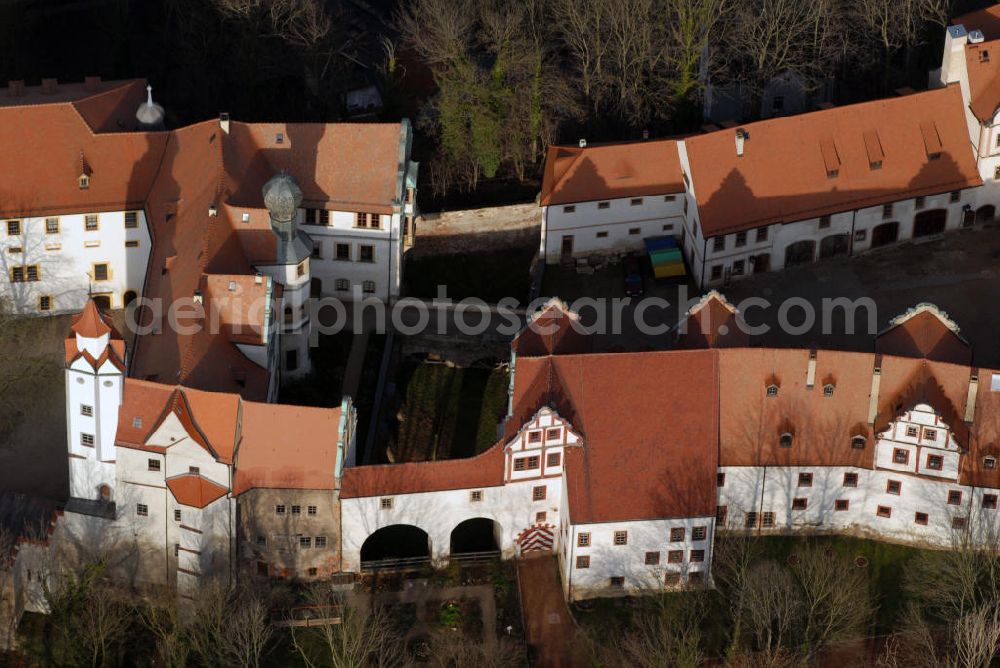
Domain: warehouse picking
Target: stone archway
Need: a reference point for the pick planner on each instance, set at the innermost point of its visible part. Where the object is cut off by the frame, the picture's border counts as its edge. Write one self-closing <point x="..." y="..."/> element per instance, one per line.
<point x="128" y="298"/>
<point x="475" y="535"/>
<point x="885" y="234"/>
<point x="834" y="245"/>
<point x="800" y="252"/>
<point x="986" y="213"/>
<point x="929" y="223"/>
<point x="394" y="545"/>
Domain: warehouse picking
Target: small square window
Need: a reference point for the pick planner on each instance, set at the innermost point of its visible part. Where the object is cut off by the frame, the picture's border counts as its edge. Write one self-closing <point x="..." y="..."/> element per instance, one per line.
<point x="13" y="228"/>
<point x="553" y="434"/>
<point x="858" y="442"/>
<point x="569" y="208"/>
<point x="534" y="437"/>
<point x="772" y="390"/>
<point x="320" y="541"/>
<point x="900" y="456"/>
<point x="87" y="440"/>
<point x="311" y="510"/>
<point x="341" y="284"/>
<point x="886" y="211"/>
<point x="671" y="198"/>
<point x="538" y="493"/>
<point x="761" y="234"/>
<point x="177" y="515"/>
<point x="721" y="515"/>
<point x="719" y="244"/>
<point x="850" y="480"/>
<point x="883" y="511"/>
<point x="912" y="431"/>
<point x="366" y="253"/>
<point x="368" y="287"/>
<point x="677" y="534"/>
<point x="929" y="434"/>
<point x="153" y="464"/>
<point x="602" y="235"/>
<point x="989" y="463"/>
<point x="313" y="571"/>
<point x="954" y="497"/>
<point x="51" y="226"/>
<point x="634" y="231"/>
<point x="805" y="479"/>
<point x="767" y="520"/>
<point x="741" y="239"/>
<point x="385" y="503"/>
<point x="90" y="223"/>
<point x="636" y="201"/>
<point x="841" y="504"/>
<point x="45" y="303"/>
<point x="305" y="542"/>
<point x="893" y="487"/>
<point x="716" y="272"/>
<point x="553" y="459"/>
<point x="476" y="495"/>
<point x="621" y="538"/>
<point x="990" y="501"/>
<point x="671" y="579"/>
<point x="800" y="503"/>
<point x="616" y="582"/>
<point x="697" y="556"/>
<point x="675" y="557"/>
<point x="860" y="235"/>
<point x="132" y="243"/>
<point x="583" y="561"/>
<point x="919" y="202"/>
<point x="920" y="518"/>
<point x="824" y="222"/>
<point x="739" y="267"/>
<point x="131" y="219"/>
<point x="343" y="252"/>
<point x="604" y="205"/>
<point x="583" y="539"/>
<point x="750" y="521"/>
<point x="935" y="462"/>
<point x="956" y="195"/>
<point x="279" y="509"/>
<point x="652" y="559"/>
<point x="699" y="533"/>
<point x="540" y="516"/>
<point x="720" y="479"/>
<point x="668" y="227"/>
<point x="86" y="411"/>
<point x="142" y="510"/>
<point x="194" y="470"/>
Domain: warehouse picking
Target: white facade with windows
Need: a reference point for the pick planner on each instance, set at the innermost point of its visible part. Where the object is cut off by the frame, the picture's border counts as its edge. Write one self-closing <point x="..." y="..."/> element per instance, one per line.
<point x="53" y="263"/>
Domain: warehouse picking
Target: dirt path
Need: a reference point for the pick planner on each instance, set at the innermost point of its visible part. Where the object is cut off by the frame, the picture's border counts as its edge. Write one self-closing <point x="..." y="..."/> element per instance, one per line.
<point x="548" y="626"/>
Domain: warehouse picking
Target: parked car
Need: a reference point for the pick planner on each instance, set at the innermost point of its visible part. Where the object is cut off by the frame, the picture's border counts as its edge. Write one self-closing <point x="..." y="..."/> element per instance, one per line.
<point x="633" y="276"/>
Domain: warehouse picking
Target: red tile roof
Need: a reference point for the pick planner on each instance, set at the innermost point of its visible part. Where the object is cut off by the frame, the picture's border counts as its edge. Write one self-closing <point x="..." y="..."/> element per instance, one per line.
<point x="483" y="470"/>
<point x="782" y="176"/>
<point x="195" y="491"/>
<point x="649" y="428"/>
<point x="287" y="447"/>
<point x="609" y="171"/>
<point x="553" y="330"/>
<point x="91" y="323"/>
<point x="926" y="332"/>
<point x="211" y="419"/>
<point x="985" y="20"/>
<point x="711" y="323"/>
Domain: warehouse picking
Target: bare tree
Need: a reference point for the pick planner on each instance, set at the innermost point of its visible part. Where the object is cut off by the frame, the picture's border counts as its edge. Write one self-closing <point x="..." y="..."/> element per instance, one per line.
<point x="161" y="617"/>
<point x="836" y="603"/>
<point x="250" y="630"/>
<point x="669" y="637"/>
<point x="734" y="555"/>
<point x="451" y="650"/>
<point x="362" y="638"/>
<point x="103" y="621"/>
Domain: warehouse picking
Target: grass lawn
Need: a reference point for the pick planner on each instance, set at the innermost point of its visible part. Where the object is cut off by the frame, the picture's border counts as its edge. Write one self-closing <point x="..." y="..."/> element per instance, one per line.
<point x="490" y="276"/>
<point x="447" y="412"/>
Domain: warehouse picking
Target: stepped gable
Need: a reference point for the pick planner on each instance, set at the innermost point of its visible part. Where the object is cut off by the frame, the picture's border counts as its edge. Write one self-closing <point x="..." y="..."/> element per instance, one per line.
<point x="553" y="330"/>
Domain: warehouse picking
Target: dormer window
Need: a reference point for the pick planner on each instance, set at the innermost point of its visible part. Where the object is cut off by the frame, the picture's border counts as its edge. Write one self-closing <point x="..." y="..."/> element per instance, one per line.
<point x="875" y="164"/>
<point x="84" y="181"/>
<point x="828" y="390"/>
<point x="785" y="440"/>
<point x="279" y="138"/>
<point x="832" y="173"/>
<point x="858" y="442"/>
<point x="989" y="463"/>
<point x="772" y="390"/>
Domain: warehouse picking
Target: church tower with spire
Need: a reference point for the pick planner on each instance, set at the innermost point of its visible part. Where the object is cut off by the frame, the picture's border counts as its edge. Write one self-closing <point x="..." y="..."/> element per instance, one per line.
<point x="95" y="374"/>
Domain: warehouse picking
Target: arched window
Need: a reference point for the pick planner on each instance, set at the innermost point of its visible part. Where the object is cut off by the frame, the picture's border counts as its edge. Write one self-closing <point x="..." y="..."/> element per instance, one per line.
<point x="288" y="315"/>
<point x="858" y="442"/>
<point x="105" y="493"/>
<point x="785" y="440"/>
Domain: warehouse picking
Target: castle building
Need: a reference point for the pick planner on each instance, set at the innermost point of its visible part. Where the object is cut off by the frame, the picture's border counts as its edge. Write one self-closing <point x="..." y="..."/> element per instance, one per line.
<point x="173" y="485"/>
<point x="216" y="225"/>
<point x="791" y="190"/>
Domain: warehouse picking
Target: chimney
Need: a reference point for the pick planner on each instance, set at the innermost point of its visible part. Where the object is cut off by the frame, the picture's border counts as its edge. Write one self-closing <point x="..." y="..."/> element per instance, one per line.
<point x="49" y="86"/>
<point x="258" y="279"/>
<point x="811" y="370"/>
<point x="213" y="210"/>
<point x="873" y="393"/>
<point x="953" y="56"/>
<point x="976" y="37"/>
<point x="583" y="143"/>
<point x="15" y="88"/>
<point x="224" y="122"/>
<point x="198" y="297"/>
<point x="970" y="400"/>
<point x="91" y="83"/>
<point x="741" y="137"/>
